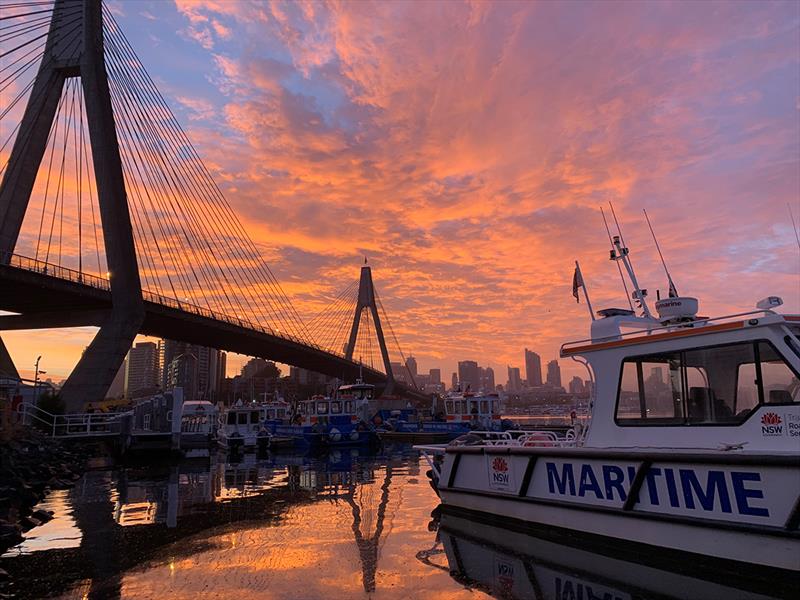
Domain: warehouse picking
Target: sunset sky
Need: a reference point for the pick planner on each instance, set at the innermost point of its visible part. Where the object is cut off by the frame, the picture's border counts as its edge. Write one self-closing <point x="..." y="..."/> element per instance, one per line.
<point x="466" y="147"/>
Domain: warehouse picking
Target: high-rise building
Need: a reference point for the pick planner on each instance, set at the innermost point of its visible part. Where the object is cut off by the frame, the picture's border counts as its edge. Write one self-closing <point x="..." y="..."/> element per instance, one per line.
<point x="514" y="380"/>
<point x="553" y="373"/>
<point x="533" y="368"/>
<point x="487" y="379"/>
<point x="141" y="369"/>
<point x="454" y="381"/>
<point x="435" y="376"/>
<point x="399" y="371"/>
<point x="576" y="385"/>
<point x="182" y="372"/>
<point x="208" y="370"/>
<point x="411" y="365"/>
<point x="469" y="375"/>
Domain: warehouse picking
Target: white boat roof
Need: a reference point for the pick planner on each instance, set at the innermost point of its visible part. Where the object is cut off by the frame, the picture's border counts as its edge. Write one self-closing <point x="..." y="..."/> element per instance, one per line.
<point x="697" y="327"/>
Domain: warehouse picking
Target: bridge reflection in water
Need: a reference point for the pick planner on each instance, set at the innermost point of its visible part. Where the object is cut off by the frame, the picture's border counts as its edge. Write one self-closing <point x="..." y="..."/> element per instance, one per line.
<point x="265" y="527"/>
<point x="345" y="525"/>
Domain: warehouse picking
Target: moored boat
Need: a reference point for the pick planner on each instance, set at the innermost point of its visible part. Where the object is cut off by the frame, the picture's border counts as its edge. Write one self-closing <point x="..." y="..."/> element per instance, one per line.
<point x="341" y="420"/>
<point x="242" y="427"/>
<point x="454" y="415"/>
<point x="693" y="444"/>
<point x="198" y="428"/>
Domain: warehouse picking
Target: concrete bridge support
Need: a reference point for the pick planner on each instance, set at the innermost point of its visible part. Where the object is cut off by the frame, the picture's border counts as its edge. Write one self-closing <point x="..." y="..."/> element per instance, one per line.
<point x="366" y="301"/>
<point x="78" y="52"/>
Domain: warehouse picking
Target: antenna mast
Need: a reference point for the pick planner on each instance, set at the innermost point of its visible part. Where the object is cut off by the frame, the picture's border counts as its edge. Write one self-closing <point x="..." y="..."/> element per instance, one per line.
<point x="619" y="268"/>
<point x="794" y="225"/>
<point x="673" y="292"/>
<point x="622" y="253"/>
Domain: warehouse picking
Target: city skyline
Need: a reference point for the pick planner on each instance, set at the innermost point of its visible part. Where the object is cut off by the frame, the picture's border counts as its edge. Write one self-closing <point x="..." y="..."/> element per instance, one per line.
<point x="470" y="252"/>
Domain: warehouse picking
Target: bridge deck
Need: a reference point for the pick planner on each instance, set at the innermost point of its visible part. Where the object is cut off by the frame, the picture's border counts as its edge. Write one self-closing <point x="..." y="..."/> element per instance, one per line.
<point x="71" y="299"/>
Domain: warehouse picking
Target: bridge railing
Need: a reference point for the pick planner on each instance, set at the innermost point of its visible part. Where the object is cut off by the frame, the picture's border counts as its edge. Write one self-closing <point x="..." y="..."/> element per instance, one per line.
<point x="37" y="266"/>
<point x="72" y="424"/>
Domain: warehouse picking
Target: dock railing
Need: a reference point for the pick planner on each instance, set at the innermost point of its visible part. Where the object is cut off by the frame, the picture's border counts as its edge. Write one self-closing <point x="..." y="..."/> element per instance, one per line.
<point x="72" y="425"/>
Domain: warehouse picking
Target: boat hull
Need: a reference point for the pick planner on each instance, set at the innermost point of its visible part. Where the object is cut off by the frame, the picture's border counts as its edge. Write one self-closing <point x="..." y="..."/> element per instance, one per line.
<point x="718" y="505"/>
<point x="306" y="436"/>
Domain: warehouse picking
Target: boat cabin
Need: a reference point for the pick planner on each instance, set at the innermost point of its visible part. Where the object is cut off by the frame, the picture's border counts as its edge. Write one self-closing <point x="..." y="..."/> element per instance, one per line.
<point x="471" y="407"/>
<point x="356" y="391"/>
<point x="198" y="417"/>
<point x="324" y="408"/>
<point x="276" y="410"/>
<point x="709" y="383"/>
<point x="244" y="418"/>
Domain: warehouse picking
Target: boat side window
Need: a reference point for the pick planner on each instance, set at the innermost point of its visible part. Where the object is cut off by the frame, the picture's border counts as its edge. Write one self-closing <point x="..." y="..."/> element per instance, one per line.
<point x="459" y="407"/>
<point x="348" y="406"/>
<point x="336" y="408"/>
<point x="781" y="385"/>
<point x="231" y="418"/>
<point x="711" y="381"/>
<point x="714" y="385"/>
<point x="255" y="416"/>
<point x="650" y="390"/>
<point x="322" y="408"/>
<point x="449" y="407"/>
<point x="241" y="418"/>
<point x="485" y="407"/>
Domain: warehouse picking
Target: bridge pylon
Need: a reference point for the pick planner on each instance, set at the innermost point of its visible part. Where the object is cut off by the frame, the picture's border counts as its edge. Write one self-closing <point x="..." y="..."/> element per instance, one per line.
<point x="74" y="49"/>
<point x="367" y="301"/>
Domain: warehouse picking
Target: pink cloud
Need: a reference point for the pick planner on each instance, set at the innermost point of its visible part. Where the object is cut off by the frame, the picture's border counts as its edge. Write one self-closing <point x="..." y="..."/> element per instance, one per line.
<point x="465" y="147"/>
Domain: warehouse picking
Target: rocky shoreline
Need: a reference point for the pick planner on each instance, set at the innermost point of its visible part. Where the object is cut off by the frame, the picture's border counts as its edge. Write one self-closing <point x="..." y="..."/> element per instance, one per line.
<point x="31" y="465"/>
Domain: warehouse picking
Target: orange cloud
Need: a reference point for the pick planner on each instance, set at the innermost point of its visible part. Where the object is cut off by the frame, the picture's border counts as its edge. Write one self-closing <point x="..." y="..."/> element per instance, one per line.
<point x="465" y="148"/>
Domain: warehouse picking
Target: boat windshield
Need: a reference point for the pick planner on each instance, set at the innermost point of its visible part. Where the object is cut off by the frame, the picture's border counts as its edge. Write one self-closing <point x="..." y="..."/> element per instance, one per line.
<point x="718" y="384"/>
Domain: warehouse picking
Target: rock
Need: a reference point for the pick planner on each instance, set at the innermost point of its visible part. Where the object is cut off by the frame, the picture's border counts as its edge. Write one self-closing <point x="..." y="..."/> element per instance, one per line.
<point x="42" y="515"/>
<point x="3" y="575"/>
<point x="29" y="523"/>
<point x="9" y="535"/>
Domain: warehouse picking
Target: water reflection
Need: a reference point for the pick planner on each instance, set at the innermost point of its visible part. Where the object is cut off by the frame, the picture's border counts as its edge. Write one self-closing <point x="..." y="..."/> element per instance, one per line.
<point x="344" y="524"/>
<point x="341" y="525"/>
<point x="512" y="565"/>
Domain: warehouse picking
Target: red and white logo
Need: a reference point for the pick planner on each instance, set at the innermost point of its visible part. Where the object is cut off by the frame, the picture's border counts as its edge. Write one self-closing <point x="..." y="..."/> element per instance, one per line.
<point x="501" y="475"/>
<point x="771" y="424"/>
<point x="500" y="465"/>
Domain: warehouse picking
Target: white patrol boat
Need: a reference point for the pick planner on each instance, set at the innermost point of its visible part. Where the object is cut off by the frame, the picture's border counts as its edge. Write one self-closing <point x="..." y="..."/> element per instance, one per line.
<point x="244" y="425"/>
<point x="693" y="443"/>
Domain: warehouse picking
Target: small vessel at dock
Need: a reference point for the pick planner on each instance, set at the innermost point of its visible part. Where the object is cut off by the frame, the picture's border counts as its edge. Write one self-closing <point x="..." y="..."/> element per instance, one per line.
<point x="341" y="420"/>
<point x="198" y="428"/>
<point x="243" y="426"/>
<point x="693" y="441"/>
<point x="454" y="415"/>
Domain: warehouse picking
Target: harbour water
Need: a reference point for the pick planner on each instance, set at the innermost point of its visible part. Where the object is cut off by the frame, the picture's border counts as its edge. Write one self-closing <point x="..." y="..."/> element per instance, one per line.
<point x="347" y="524"/>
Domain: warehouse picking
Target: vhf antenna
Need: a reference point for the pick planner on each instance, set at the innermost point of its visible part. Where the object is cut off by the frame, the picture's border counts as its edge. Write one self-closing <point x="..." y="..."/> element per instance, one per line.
<point x="673" y="292"/>
<point x="619" y="268"/>
<point x="623" y="254"/>
<point x="794" y="225"/>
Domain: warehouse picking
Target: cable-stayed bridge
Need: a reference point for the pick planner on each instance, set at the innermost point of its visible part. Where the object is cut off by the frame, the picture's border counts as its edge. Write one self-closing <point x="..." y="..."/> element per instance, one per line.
<point x="109" y="218"/>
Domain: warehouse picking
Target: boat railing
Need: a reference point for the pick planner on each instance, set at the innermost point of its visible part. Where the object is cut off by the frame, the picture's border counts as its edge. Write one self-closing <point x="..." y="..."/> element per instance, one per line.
<point x="636" y="333"/>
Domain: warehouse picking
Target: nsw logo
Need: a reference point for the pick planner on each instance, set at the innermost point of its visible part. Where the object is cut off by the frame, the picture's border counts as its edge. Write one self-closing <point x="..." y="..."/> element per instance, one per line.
<point x="771" y="424"/>
<point x="500" y="474"/>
